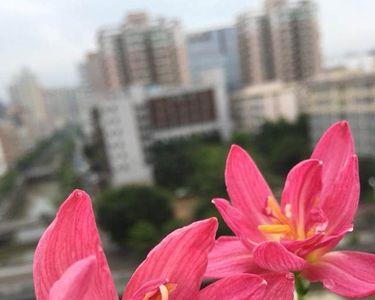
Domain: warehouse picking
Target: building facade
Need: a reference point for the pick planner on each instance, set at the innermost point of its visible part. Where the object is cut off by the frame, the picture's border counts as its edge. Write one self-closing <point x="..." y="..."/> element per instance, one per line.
<point x="344" y="95"/>
<point x="110" y="52"/>
<point x="92" y="75"/>
<point x="123" y="142"/>
<point x="295" y="41"/>
<point x="215" y="49"/>
<point x="255" y="105"/>
<point x="281" y="42"/>
<point x="256" y="59"/>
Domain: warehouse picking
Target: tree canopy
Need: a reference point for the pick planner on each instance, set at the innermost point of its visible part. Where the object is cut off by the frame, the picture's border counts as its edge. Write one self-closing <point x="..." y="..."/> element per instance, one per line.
<point x="132" y="212"/>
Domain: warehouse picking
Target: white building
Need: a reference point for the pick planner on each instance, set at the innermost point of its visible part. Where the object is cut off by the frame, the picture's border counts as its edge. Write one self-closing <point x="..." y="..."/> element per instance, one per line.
<point x="254" y="105"/>
<point x="344" y="95"/>
<point x="131" y="121"/>
<point x="123" y="141"/>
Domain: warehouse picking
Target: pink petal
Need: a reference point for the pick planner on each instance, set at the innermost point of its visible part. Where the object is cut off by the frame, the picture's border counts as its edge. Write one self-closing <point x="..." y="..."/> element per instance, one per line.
<point x="246" y="186"/>
<point x="274" y="256"/>
<point x="181" y="258"/>
<point x="315" y="246"/>
<point x="243" y="226"/>
<point x="302" y="188"/>
<point x="280" y="286"/>
<point x="302" y="247"/>
<point x="335" y="148"/>
<point x="75" y="282"/>
<point x="238" y="287"/>
<point x="340" y="200"/>
<point x="347" y="273"/>
<point x="324" y="245"/>
<point x="72" y="236"/>
<point x="229" y="257"/>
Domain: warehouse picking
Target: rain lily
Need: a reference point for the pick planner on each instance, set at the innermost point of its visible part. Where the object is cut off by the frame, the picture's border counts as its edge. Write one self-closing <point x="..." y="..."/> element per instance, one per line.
<point x="70" y="264"/>
<point x="317" y="207"/>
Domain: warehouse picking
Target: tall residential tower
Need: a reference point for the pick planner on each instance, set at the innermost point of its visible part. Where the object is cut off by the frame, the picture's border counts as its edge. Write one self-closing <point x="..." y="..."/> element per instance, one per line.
<point x="280" y="43"/>
<point x="142" y="50"/>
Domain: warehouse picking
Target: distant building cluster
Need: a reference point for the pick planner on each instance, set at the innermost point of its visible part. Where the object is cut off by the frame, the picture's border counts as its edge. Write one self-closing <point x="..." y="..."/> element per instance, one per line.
<point x="147" y="81"/>
<point x="34" y="113"/>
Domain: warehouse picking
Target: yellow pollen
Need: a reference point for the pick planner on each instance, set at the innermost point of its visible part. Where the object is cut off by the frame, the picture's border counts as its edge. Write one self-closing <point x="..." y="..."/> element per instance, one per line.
<point x="275" y="229"/>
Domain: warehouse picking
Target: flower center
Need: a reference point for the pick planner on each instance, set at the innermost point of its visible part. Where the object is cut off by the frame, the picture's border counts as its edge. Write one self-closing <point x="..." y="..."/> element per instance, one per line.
<point x="162" y="293"/>
<point x="282" y="226"/>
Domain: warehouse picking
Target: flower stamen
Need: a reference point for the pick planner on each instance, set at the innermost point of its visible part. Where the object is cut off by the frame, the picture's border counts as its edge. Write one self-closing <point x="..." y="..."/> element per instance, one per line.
<point x="162" y="293"/>
<point x="275" y="211"/>
<point x="282" y="225"/>
<point x="275" y="229"/>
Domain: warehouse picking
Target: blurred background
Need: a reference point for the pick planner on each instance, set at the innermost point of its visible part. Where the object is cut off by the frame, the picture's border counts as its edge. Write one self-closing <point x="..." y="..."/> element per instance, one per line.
<point x="137" y="102"/>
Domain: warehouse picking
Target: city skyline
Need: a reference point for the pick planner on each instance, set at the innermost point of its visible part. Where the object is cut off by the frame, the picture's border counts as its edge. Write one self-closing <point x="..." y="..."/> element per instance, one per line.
<point x="54" y="51"/>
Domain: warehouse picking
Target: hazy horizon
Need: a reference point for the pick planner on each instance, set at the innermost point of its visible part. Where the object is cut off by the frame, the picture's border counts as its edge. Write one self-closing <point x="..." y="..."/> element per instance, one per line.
<point x="51" y="37"/>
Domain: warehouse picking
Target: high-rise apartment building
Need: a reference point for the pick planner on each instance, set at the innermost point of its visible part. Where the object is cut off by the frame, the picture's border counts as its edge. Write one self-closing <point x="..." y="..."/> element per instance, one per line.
<point x="344" y="95"/>
<point x="109" y="43"/>
<point x="215" y="49"/>
<point x="141" y="50"/>
<point x="295" y="41"/>
<point x="282" y="42"/>
<point x="255" y="49"/>
<point x="153" y="50"/>
<point x="93" y="79"/>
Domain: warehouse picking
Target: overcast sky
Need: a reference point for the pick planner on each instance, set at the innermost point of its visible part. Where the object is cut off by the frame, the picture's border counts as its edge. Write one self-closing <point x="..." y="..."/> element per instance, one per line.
<point x="51" y="36"/>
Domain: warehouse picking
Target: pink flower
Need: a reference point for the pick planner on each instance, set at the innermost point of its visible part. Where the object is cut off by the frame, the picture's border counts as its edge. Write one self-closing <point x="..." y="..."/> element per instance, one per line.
<point x="70" y="264"/>
<point x="318" y="203"/>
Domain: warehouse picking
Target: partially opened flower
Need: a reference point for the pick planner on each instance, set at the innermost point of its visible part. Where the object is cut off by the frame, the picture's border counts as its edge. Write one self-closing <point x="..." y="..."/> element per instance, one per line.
<point x="69" y="263"/>
<point x="318" y="203"/>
